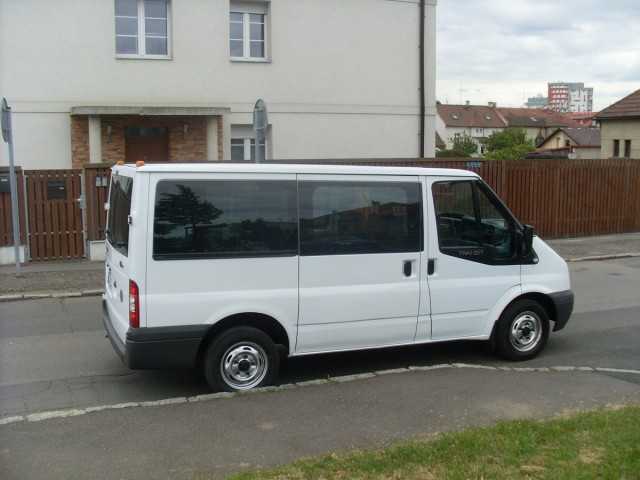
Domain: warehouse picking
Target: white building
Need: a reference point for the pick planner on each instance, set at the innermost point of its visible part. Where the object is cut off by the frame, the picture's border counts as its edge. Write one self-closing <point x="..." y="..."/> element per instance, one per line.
<point x="103" y="80"/>
<point x="570" y="97"/>
<point x="475" y="121"/>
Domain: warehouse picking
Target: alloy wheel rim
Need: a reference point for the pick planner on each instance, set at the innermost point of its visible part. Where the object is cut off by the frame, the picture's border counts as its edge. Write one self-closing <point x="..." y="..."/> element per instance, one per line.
<point x="244" y="365"/>
<point x="525" y="332"/>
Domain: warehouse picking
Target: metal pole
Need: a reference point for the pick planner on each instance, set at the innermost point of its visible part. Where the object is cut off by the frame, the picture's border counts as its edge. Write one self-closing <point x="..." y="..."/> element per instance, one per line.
<point x="7" y="134"/>
<point x="260" y="124"/>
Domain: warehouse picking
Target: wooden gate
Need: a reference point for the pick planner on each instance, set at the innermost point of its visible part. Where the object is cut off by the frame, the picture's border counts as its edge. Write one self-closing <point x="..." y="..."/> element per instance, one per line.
<point x="54" y="215"/>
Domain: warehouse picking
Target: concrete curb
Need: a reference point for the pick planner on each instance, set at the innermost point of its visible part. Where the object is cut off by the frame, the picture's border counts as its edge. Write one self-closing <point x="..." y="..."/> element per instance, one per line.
<point x="56" y="294"/>
<point x="612" y="256"/>
<point x="73" y="412"/>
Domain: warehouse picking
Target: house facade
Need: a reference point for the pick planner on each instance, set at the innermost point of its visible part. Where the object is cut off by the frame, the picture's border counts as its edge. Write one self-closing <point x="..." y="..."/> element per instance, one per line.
<point x="620" y="126"/>
<point x="475" y="121"/>
<point x="572" y="143"/>
<point x="166" y="80"/>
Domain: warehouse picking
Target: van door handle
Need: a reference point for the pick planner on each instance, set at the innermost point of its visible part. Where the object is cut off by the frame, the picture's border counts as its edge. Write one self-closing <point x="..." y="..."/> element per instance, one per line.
<point x="406" y="268"/>
<point x="431" y="266"/>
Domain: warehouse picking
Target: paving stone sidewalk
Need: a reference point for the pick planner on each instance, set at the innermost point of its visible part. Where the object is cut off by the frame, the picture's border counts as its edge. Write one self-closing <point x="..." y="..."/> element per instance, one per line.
<point x="76" y="278"/>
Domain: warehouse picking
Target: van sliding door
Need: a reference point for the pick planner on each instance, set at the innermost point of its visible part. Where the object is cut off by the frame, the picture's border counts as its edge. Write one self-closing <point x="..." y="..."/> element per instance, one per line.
<point x="360" y="257"/>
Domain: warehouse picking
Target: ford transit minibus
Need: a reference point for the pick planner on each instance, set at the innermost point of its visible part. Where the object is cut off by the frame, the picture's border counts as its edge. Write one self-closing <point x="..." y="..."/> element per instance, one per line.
<point x="231" y="267"/>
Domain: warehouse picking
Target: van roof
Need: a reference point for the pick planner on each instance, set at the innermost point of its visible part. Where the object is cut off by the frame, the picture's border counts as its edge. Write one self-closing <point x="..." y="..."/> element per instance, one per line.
<point x="214" y="167"/>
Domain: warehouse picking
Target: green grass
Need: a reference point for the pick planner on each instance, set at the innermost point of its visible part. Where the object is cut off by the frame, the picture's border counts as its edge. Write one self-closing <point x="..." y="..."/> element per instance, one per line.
<point x="602" y="444"/>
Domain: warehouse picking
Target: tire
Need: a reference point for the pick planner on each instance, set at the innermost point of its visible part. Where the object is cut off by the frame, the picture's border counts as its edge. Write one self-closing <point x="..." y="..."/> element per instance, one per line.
<point x="240" y="359"/>
<point x="522" y="331"/>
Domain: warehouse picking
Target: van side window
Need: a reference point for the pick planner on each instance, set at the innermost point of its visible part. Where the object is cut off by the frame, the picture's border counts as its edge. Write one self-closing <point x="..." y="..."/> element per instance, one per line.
<point x="119" y="207"/>
<point x="224" y="219"/>
<point x="339" y="218"/>
<point x="471" y="224"/>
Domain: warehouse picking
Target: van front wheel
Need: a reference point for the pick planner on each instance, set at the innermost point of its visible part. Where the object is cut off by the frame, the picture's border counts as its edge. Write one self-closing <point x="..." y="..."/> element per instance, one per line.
<point x="522" y="331"/>
<point x="240" y="359"/>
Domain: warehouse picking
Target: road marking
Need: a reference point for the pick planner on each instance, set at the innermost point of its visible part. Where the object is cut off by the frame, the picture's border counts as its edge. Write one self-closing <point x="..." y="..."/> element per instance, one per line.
<point x="74" y="412"/>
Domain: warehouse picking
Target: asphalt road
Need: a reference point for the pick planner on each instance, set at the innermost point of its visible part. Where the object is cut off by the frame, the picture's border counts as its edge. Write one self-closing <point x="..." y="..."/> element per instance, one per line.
<point x="53" y="355"/>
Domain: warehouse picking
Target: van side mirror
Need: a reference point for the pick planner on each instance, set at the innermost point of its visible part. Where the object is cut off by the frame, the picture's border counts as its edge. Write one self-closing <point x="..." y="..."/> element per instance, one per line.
<point x="527" y="240"/>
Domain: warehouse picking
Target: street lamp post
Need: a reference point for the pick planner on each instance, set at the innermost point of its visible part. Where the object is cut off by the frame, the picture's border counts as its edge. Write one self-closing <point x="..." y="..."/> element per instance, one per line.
<point x="7" y="136"/>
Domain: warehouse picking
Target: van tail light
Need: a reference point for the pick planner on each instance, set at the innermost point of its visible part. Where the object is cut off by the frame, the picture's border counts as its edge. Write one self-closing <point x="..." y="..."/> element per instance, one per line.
<point x="134" y="305"/>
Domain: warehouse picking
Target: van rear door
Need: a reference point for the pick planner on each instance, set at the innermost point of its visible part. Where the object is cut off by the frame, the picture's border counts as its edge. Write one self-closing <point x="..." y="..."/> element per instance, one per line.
<point x="117" y="262"/>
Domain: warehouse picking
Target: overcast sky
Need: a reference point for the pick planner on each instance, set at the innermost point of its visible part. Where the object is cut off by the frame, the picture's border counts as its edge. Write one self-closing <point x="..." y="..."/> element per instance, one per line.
<point x="507" y="50"/>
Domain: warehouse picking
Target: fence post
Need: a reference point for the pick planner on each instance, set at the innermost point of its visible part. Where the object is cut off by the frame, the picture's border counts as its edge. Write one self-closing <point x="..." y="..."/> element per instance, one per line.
<point x="25" y="198"/>
<point x="82" y="201"/>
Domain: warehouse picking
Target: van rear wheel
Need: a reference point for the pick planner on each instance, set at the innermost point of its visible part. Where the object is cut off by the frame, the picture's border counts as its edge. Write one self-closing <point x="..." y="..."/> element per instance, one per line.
<point x="522" y="331"/>
<point x="240" y="359"/>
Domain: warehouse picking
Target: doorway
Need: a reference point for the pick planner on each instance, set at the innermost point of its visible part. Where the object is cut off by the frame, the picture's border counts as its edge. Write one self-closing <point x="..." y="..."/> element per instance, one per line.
<point x="150" y="144"/>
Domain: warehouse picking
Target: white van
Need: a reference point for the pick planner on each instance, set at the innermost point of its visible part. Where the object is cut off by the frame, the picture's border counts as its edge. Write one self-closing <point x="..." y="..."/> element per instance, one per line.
<point x="229" y="267"/>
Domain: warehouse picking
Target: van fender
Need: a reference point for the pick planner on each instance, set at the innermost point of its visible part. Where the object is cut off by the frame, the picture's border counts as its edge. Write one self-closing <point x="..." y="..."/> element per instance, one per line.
<point x="288" y="324"/>
<point x="494" y="313"/>
<point x="511" y="295"/>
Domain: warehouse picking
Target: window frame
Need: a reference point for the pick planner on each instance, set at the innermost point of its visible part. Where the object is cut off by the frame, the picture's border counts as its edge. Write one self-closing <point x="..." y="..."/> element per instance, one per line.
<point x="478" y="186"/>
<point x="246" y="34"/>
<point x="627" y="148"/>
<point x="141" y="34"/>
<point x="248" y="144"/>
<point x="616" y="148"/>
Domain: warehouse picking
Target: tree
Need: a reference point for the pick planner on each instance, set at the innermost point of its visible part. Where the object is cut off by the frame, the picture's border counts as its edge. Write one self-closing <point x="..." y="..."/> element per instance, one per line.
<point x="463" y="146"/>
<point x="509" y="144"/>
<point x="464" y="143"/>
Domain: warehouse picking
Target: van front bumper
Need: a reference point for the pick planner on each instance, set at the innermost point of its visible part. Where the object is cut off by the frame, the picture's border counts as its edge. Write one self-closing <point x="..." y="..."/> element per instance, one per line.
<point x="156" y="348"/>
<point x="563" y="305"/>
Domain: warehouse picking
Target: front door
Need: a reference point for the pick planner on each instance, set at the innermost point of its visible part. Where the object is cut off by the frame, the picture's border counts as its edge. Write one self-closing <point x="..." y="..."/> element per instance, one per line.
<point x="475" y="257"/>
<point x="149" y="144"/>
<point x="360" y="257"/>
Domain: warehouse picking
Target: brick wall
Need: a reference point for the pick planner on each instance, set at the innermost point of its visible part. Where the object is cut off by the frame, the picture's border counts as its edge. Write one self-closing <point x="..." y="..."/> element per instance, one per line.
<point x="79" y="141"/>
<point x="185" y="144"/>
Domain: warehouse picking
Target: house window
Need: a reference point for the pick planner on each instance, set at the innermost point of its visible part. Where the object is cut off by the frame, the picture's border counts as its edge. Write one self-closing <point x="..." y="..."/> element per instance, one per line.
<point x="142" y="28"/>
<point x="247" y="31"/>
<point x="616" y="148"/>
<point x="244" y="149"/>
<point x="627" y="149"/>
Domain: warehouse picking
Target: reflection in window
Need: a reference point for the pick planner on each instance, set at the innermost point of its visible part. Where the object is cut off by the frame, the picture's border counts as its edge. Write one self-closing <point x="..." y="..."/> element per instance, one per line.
<point x="208" y="219"/>
<point x="119" y="207"/>
<point x="360" y="217"/>
<point x="470" y="225"/>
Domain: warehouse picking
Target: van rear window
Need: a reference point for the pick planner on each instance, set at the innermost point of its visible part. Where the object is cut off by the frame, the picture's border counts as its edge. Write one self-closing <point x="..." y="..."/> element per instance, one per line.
<point x="119" y="208"/>
<point x="223" y="219"/>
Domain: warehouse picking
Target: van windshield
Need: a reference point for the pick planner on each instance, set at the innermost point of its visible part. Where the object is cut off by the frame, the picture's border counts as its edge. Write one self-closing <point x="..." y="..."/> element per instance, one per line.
<point x="119" y="207"/>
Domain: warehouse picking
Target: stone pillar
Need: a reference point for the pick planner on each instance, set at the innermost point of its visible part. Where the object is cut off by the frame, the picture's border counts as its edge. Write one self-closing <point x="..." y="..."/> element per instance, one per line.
<point x="212" y="139"/>
<point x="226" y="137"/>
<point x="95" y="140"/>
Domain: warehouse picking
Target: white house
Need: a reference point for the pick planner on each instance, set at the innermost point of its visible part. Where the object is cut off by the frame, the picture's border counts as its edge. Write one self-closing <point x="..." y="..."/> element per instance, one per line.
<point x="475" y="121"/>
<point x="104" y="80"/>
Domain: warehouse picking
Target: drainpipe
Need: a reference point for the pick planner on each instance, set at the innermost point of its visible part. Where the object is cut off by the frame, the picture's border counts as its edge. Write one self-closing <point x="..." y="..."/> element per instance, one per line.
<point x="421" y="64"/>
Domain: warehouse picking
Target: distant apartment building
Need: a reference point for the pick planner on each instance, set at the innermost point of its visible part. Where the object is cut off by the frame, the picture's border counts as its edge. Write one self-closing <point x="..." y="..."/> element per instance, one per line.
<point x="570" y="97"/>
<point x="537" y="102"/>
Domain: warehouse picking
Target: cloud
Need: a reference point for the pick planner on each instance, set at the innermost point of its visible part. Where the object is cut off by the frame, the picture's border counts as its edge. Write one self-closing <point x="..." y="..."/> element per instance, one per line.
<point x="507" y="50"/>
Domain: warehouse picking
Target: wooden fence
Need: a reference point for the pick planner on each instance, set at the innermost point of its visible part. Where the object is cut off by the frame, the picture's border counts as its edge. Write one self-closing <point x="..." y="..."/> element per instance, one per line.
<point x="96" y="183"/>
<point x="560" y="198"/>
<point x="55" y="226"/>
<point x="6" y="226"/>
